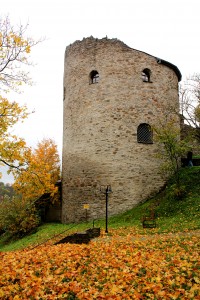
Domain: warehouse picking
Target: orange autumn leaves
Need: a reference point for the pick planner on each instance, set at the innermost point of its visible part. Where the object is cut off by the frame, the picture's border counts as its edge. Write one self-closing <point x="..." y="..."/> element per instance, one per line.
<point x="41" y="173"/>
<point x="107" y="268"/>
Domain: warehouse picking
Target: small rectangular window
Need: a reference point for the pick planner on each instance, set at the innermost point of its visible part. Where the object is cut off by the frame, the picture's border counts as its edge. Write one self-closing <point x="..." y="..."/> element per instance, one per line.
<point x="144" y="134"/>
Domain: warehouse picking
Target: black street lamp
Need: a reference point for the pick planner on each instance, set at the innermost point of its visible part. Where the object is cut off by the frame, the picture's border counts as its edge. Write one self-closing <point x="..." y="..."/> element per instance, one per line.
<point x="106" y="190"/>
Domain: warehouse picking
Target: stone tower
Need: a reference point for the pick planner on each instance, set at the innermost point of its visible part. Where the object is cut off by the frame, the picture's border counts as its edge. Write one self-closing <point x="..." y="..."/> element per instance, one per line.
<point x="113" y="96"/>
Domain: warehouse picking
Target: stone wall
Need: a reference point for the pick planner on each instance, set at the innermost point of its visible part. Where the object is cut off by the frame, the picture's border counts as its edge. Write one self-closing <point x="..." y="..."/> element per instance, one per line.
<point x="100" y="126"/>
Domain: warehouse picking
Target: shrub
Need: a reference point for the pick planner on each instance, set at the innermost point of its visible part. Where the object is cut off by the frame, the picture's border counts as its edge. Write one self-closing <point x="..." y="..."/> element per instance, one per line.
<point x="18" y="218"/>
<point x="177" y="192"/>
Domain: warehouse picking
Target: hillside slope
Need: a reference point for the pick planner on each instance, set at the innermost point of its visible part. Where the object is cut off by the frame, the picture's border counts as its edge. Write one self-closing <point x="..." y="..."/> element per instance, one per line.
<point x="172" y="215"/>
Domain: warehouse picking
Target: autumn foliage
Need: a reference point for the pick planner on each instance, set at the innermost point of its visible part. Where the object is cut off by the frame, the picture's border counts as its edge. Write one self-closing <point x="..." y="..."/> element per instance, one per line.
<point x="41" y="173"/>
<point x="35" y="171"/>
<point x="116" y="267"/>
<point x="18" y="218"/>
<point x="12" y="148"/>
<point x="15" y="48"/>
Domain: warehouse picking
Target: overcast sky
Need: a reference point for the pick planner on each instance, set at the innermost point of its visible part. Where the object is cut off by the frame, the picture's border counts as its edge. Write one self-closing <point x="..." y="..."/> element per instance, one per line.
<point x="167" y="29"/>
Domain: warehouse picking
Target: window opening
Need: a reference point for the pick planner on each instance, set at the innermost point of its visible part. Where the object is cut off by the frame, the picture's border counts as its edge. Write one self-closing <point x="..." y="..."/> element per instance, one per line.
<point x="94" y="77"/>
<point x="146" y="75"/>
<point x="144" y="134"/>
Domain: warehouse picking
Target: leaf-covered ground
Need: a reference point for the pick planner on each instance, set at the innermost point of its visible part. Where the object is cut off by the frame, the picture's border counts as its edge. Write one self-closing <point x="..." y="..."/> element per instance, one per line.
<point x="117" y="267"/>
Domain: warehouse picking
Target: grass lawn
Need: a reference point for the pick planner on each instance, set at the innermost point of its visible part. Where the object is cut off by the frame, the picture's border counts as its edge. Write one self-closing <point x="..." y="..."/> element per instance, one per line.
<point x="127" y="263"/>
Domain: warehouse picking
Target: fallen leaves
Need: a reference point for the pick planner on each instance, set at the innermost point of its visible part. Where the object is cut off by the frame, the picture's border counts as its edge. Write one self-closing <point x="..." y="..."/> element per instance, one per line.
<point x="108" y="268"/>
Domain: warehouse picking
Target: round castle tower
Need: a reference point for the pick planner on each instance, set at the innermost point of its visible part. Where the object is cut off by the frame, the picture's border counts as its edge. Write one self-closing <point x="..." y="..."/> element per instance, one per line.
<point x="113" y="96"/>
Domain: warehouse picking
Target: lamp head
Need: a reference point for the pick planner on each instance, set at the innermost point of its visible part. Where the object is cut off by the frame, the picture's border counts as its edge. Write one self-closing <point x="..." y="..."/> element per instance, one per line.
<point x="109" y="190"/>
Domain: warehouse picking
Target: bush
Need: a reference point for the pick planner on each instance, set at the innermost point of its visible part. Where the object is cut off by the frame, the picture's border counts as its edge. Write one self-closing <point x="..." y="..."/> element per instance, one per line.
<point x="18" y="218"/>
<point x="177" y="192"/>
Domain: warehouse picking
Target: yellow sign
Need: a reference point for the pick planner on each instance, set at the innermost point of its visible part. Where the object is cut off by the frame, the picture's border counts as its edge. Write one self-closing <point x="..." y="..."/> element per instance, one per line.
<point x="86" y="206"/>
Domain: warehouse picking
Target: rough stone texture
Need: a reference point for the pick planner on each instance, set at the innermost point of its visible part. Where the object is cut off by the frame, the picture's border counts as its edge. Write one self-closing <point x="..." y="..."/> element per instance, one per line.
<point x="100" y="126"/>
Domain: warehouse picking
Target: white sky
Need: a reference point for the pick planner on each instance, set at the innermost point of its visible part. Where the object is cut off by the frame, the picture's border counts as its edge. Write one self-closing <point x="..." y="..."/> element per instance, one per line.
<point x="168" y="29"/>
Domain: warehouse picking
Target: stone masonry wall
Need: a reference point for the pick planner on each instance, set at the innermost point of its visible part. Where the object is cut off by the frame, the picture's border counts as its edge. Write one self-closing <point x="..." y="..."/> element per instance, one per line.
<point x="100" y="126"/>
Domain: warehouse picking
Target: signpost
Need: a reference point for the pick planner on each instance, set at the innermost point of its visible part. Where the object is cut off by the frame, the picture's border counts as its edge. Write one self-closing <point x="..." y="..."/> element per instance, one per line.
<point x="86" y="206"/>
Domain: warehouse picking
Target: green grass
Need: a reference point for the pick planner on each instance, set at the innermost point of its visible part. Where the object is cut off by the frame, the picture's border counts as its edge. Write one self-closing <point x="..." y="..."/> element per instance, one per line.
<point x="173" y="215"/>
<point x="43" y="234"/>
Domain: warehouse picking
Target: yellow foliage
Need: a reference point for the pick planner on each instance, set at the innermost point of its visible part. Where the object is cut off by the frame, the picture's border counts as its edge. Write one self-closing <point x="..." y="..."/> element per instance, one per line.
<point x="41" y="173"/>
<point x="14" y="50"/>
<point x="28" y="49"/>
<point x="11" y="147"/>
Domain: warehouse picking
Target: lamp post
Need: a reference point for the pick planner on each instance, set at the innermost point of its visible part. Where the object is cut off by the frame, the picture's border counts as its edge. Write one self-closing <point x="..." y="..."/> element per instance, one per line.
<point x="106" y="190"/>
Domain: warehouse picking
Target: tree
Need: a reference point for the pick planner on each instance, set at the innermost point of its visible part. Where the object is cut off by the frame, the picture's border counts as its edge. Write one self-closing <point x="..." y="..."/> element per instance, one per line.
<point x="197" y="113"/>
<point x="6" y="191"/>
<point x="11" y="146"/>
<point x="172" y="148"/>
<point x="15" y="48"/>
<point x="41" y="170"/>
<point x="41" y="173"/>
<point x="190" y="103"/>
<point x="16" y="217"/>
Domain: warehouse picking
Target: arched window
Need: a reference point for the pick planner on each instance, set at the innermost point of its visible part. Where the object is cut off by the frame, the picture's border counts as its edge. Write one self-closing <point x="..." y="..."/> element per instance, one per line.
<point x="146" y="74"/>
<point x="94" y="77"/>
<point x="144" y="134"/>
